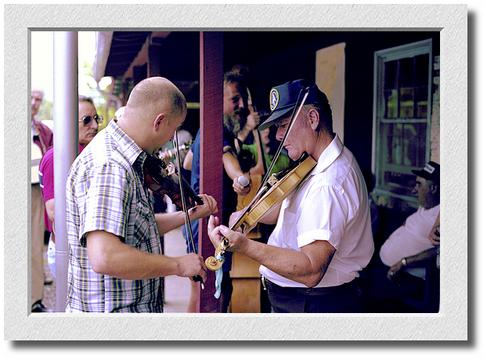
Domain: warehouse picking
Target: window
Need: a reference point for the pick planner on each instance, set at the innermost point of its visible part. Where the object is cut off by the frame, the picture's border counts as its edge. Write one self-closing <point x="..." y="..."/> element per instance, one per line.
<point x="402" y="111"/>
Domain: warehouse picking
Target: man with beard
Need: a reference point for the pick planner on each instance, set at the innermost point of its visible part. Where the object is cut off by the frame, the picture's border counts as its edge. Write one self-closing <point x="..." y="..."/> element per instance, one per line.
<point x="234" y="111"/>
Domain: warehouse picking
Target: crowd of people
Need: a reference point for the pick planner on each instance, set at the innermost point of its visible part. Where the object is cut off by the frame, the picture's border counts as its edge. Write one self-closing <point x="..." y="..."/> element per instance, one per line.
<point x="317" y="242"/>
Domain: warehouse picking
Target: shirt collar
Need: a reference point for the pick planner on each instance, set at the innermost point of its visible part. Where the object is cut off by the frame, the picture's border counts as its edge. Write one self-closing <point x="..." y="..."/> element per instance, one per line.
<point x="127" y="146"/>
<point x="329" y="155"/>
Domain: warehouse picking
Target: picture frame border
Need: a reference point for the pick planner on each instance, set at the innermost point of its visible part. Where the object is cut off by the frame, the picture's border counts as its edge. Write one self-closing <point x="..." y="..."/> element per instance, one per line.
<point x="450" y="324"/>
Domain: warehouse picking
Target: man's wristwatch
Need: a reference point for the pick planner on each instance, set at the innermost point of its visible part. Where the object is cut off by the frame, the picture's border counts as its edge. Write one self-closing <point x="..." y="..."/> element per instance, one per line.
<point x="404" y="261"/>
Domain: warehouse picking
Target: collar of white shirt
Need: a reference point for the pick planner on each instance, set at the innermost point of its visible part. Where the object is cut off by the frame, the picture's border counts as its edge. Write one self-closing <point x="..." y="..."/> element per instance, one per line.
<point x="328" y="156"/>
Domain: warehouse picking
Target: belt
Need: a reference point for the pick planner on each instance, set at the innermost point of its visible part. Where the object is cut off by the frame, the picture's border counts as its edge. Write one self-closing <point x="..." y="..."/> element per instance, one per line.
<point x="309" y="291"/>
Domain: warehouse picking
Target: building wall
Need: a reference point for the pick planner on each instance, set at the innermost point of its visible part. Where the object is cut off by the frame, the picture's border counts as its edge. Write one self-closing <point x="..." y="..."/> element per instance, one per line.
<point x="435" y="115"/>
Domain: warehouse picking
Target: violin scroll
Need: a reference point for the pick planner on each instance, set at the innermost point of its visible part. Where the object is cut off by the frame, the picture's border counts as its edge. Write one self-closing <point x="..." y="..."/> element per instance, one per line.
<point x="215" y="262"/>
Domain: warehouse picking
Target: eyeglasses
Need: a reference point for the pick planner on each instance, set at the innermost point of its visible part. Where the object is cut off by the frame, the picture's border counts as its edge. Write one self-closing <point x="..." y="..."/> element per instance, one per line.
<point x="87" y="119"/>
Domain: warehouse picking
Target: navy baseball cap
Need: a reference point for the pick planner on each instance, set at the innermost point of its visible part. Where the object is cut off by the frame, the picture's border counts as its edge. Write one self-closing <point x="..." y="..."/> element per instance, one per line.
<point x="283" y="98"/>
<point x="431" y="171"/>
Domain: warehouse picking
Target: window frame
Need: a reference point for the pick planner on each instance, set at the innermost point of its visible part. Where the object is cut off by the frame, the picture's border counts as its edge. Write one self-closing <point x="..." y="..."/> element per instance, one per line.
<point x="380" y="58"/>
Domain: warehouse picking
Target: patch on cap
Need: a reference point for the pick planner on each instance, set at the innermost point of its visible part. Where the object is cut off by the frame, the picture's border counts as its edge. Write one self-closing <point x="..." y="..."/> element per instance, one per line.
<point x="273" y="99"/>
<point x="429" y="169"/>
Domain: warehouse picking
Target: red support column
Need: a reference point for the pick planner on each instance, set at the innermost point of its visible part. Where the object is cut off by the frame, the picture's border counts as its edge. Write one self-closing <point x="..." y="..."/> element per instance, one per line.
<point x="211" y="133"/>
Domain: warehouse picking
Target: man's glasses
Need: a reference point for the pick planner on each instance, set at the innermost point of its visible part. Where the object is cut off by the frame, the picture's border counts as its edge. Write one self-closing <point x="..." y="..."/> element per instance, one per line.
<point x="87" y="119"/>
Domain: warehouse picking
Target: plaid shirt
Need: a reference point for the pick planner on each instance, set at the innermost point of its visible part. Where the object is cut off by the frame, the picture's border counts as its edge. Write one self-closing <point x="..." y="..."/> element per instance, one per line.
<point x="105" y="191"/>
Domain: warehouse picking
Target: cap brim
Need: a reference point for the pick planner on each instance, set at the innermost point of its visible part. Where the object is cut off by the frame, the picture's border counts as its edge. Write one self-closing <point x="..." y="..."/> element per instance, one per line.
<point x="275" y="117"/>
<point x="426" y="175"/>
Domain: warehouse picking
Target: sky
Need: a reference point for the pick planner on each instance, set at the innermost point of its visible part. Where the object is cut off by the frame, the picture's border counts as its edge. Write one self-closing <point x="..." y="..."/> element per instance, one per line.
<point x="42" y="58"/>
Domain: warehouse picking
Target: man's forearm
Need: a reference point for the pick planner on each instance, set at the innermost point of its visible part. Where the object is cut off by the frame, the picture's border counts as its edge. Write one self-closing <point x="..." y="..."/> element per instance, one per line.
<point x="109" y="256"/>
<point x="137" y="265"/>
<point x="291" y="264"/>
<point x="169" y="221"/>
<point x="425" y="255"/>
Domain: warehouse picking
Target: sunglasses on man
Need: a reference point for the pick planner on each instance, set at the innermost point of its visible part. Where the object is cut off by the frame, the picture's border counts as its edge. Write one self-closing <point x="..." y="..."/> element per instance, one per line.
<point x="87" y="119"/>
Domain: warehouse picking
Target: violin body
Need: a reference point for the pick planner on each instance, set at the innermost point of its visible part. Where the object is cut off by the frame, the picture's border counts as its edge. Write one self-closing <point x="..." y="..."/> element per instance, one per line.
<point x="277" y="188"/>
<point x="280" y="189"/>
<point x="162" y="179"/>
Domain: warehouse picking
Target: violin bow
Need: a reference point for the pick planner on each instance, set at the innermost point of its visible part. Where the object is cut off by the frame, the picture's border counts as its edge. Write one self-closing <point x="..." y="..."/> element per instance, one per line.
<point x="187" y="221"/>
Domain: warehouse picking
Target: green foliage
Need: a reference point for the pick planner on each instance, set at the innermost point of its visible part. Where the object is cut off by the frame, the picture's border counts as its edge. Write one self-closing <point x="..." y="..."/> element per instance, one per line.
<point x="45" y="112"/>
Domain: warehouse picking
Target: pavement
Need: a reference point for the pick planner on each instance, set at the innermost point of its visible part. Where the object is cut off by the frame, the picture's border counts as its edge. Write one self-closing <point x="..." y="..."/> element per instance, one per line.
<point x="176" y="289"/>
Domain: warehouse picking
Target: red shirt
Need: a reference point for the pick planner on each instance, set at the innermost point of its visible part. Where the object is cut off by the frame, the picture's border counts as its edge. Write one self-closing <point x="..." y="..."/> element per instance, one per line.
<point x="46" y="180"/>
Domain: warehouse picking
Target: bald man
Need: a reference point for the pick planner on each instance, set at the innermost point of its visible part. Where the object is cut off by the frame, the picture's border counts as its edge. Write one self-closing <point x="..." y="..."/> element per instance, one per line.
<point x="115" y="255"/>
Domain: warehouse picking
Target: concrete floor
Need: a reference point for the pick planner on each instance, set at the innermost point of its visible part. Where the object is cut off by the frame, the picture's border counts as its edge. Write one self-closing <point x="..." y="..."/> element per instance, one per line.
<point x="176" y="289"/>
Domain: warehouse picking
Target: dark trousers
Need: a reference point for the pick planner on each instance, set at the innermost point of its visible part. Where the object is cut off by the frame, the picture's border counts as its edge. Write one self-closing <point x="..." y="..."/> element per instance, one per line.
<point x="337" y="299"/>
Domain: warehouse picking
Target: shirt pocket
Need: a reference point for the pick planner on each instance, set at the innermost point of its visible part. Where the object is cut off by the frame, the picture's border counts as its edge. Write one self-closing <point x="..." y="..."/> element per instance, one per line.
<point x="289" y="229"/>
<point x="144" y="219"/>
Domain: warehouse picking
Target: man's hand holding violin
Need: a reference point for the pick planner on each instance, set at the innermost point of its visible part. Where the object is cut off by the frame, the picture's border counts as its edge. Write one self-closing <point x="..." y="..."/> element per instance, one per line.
<point x="201" y="211"/>
<point x="237" y="241"/>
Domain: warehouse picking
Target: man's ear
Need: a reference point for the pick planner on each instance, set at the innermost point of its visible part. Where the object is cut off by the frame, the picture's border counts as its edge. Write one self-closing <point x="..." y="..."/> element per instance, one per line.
<point x="433" y="188"/>
<point x="158" y="121"/>
<point x="314" y="118"/>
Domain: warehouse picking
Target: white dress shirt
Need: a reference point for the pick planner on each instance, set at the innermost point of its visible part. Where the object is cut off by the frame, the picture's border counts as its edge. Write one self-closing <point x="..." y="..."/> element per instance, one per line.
<point x="331" y="204"/>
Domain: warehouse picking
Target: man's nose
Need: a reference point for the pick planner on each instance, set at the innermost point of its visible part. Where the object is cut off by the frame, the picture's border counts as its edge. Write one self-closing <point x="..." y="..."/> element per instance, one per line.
<point x="94" y="124"/>
<point x="279" y="134"/>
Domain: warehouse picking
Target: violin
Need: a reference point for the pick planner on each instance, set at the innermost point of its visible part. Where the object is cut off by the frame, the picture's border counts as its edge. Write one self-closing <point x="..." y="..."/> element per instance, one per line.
<point x="274" y="189"/>
<point x="162" y="179"/>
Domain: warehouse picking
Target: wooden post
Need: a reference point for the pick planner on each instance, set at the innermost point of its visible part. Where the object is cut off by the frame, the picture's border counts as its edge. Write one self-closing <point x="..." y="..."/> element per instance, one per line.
<point x="211" y="133"/>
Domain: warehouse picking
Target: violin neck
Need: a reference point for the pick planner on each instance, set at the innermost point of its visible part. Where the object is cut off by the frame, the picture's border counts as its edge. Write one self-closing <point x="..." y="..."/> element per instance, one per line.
<point x="171" y="153"/>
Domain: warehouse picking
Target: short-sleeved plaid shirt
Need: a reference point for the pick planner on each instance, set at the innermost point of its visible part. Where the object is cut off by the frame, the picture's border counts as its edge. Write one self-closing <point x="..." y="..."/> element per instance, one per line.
<point x="105" y="191"/>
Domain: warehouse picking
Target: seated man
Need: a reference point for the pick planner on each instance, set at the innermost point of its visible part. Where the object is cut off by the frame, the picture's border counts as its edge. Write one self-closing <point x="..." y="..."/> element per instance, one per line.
<point x="408" y="248"/>
<point x="412" y="238"/>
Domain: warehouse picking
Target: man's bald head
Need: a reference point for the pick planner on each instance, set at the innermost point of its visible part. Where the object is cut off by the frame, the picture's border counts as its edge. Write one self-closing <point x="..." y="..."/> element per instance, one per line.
<point x="154" y="110"/>
<point x="155" y="95"/>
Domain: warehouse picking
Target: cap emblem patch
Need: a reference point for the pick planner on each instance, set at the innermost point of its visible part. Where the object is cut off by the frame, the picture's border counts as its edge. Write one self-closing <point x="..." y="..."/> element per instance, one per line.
<point x="273" y="99"/>
<point x="429" y="169"/>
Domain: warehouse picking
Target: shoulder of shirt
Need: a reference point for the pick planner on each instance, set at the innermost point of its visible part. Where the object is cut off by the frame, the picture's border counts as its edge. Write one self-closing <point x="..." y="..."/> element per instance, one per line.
<point x="339" y="169"/>
<point x="47" y="158"/>
<point x="100" y="153"/>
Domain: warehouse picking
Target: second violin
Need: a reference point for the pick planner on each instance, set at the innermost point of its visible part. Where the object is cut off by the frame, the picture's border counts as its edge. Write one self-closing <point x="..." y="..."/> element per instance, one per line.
<point x="162" y="179"/>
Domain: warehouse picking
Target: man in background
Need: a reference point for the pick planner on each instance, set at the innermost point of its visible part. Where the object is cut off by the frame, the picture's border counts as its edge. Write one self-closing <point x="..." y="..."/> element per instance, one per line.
<point x="88" y="121"/>
<point x="234" y="109"/>
<point x="41" y="140"/>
